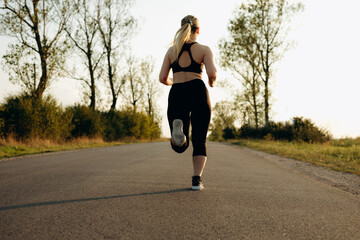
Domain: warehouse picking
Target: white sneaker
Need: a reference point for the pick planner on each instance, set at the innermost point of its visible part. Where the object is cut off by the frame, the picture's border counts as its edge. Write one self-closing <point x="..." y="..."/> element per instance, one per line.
<point x="178" y="137"/>
<point x="197" y="183"/>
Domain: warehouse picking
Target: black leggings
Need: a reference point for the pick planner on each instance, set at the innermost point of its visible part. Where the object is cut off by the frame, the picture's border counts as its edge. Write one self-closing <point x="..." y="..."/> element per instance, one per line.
<point x="189" y="101"/>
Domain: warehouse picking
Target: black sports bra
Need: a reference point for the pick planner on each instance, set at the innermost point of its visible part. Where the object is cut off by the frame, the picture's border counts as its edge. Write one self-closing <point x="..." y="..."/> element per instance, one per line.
<point x="193" y="67"/>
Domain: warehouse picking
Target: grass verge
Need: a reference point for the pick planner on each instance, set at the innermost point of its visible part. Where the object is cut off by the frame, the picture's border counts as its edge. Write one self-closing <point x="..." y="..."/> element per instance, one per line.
<point x="341" y="155"/>
<point x="12" y="148"/>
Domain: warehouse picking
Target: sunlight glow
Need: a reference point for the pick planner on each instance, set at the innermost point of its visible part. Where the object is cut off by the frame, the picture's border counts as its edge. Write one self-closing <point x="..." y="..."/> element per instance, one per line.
<point x="317" y="79"/>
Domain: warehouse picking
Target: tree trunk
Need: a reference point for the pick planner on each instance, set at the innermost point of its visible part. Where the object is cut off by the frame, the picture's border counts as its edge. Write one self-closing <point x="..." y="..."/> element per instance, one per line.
<point x="43" y="81"/>
<point x="266" y="98"/>
<point x="92" y="83"/>
<point x="150" y="105"/>
<point x="111" y="82"/>
<point x="92" y="97"/>
<point x="113" y="105"/>
<point x="256" y="112"/>
<point x="267" y="78"/>
<point x="43" y="55"/>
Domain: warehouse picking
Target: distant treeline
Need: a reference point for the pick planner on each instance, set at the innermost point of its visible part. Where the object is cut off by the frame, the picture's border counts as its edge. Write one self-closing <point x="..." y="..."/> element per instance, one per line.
<point x="299" y="129"/>
<point x="25" y="117"/>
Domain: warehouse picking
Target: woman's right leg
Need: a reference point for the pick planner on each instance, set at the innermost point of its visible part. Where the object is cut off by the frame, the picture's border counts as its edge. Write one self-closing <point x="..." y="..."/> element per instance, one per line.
<point x="177" y="110"/>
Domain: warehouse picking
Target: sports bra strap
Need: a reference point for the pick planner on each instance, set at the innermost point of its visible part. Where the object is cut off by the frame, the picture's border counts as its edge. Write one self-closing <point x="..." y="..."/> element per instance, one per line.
<point x="187" y="47"/>
<point x="193" y="67"/>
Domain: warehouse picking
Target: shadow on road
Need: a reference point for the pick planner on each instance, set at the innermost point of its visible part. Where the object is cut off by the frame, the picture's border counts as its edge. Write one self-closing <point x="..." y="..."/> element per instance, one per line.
<point x="38" y="204"/>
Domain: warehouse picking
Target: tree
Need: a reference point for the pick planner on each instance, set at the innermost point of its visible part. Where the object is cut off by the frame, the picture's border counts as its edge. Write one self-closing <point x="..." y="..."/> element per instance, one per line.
<point x="224" y="118"/>
<point x="84" y="33"/>
<point x="251" y="96"/>
<point x="116" y="26"/>
<point x="261" y="25"/>
<point x="38" y="28"/>
<point x="249" y="104"/>
<point x="242" y="62"/>
<point x="132" y="84"/>
<point x="151" y="86"/>
<point x="22" y="67"/>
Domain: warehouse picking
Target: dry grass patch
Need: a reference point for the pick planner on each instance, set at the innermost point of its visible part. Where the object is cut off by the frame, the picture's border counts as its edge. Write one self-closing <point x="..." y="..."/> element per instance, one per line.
<point x="11" y="148"/>
<point x="341" y="155"/>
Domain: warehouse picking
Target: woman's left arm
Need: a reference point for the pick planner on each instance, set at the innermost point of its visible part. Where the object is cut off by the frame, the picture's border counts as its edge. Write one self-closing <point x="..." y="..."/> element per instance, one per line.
<point x="165" y="70"/>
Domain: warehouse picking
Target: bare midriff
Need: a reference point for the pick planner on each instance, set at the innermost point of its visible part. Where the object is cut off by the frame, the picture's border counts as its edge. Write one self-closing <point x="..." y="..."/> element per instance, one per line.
<point x="181" y="77"/>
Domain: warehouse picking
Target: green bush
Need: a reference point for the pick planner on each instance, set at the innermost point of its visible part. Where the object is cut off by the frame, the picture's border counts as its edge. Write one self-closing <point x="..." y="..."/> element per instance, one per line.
<point x="25" y="117"/>
<point x="216" y="132"/>
<point x="299" y="129"/>
<point x="86" y="122"/>
<point x="114" y="128"/>
<point x="127" y="123"/>
<point x="305" y="130"/>
<point x="155" y="129"/>
<point x="2" y="122"/>
<point x="229" y="133"/>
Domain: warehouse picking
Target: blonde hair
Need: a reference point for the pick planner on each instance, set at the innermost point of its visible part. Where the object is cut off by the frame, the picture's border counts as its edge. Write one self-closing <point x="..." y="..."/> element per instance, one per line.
<point x="189" y="25"/>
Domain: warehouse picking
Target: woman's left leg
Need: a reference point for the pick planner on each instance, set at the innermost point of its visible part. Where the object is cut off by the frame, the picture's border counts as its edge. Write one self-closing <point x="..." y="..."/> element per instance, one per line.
<point x="200" y="120"/>
<point x="199" y="164"/>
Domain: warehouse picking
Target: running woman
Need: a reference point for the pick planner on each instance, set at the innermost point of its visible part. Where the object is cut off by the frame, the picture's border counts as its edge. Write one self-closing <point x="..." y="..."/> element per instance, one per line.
<point x="188" y="100"/>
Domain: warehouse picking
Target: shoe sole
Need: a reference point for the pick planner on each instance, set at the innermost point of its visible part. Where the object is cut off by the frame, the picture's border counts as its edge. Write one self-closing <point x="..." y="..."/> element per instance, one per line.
<point x="197" y="188"/>
<point x="177" y="136"/>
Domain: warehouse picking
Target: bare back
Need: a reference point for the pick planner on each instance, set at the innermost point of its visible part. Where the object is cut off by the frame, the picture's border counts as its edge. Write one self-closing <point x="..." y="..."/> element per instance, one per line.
<point x="201" y="54"/>
<point x="198" y="53"/>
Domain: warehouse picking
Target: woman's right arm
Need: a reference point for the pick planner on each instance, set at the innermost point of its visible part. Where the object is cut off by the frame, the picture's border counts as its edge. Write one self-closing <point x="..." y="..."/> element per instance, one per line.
<point x="165" y="70"/>
<point x="210" y="66"/>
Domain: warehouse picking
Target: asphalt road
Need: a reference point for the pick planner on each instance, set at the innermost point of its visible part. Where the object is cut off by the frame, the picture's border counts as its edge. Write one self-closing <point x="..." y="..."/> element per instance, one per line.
<point x="142" y="191"/>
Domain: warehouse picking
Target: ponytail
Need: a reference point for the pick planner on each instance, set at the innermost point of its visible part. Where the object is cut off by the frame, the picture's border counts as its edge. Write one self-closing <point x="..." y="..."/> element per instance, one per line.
<point x="181" y="36"/>
<point x="189" y="25"/>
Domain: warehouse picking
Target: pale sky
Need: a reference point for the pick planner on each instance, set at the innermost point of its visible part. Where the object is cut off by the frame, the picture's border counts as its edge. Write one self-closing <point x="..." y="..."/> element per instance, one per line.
<point x="317" y="79"/>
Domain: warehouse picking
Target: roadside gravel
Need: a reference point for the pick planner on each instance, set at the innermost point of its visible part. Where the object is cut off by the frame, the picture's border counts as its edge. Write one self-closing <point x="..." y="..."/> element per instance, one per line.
<point x="346" y="181"/>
